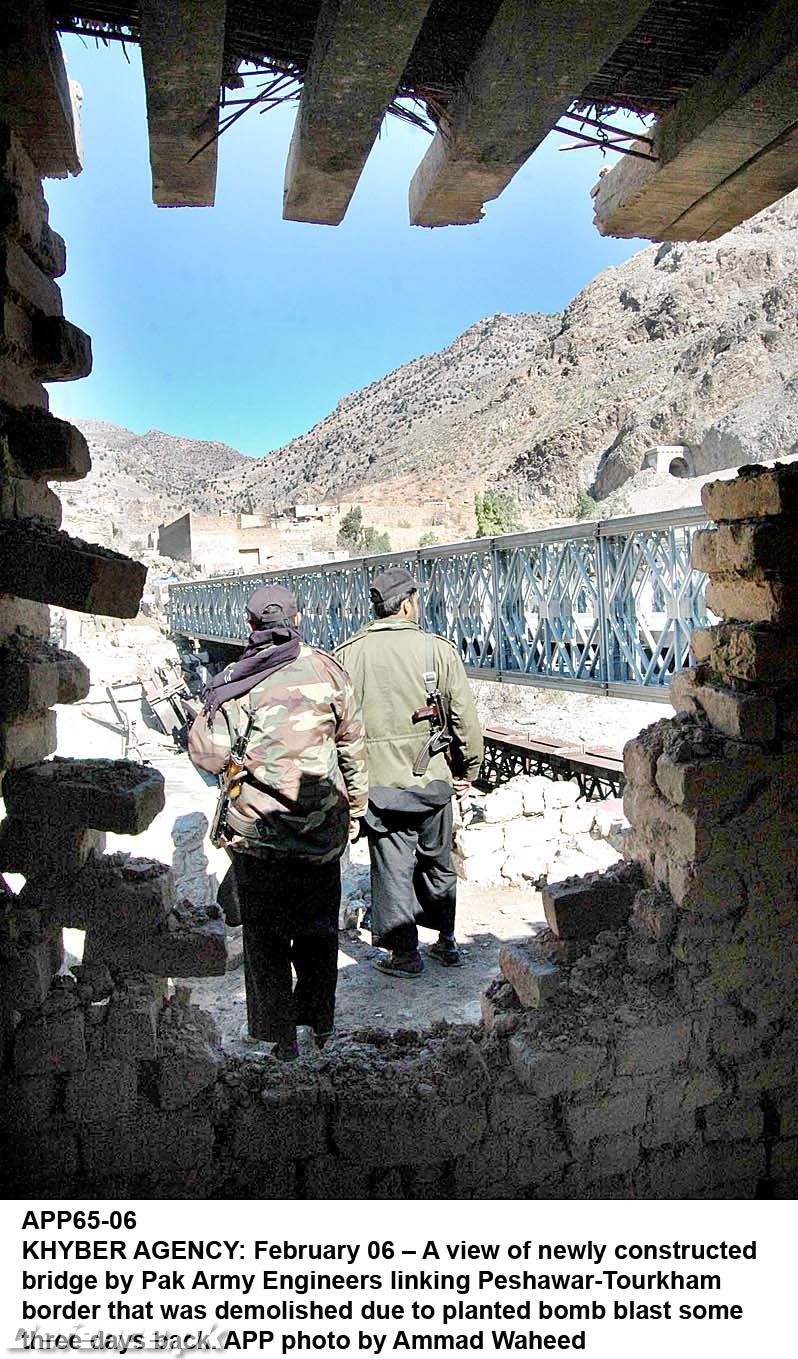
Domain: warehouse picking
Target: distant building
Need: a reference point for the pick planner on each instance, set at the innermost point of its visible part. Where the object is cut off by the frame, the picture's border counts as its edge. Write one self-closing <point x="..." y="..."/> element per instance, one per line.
<point x="247" y="542"/>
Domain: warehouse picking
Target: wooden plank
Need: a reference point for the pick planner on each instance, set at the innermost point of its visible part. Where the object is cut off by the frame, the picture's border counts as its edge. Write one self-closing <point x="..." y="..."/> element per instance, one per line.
<point x="535" y="60"/>
<point x="37" y="99"/>
<point x="727" y="150"/>
<point x="182" y="45"/>
<point x="359" y="52"/>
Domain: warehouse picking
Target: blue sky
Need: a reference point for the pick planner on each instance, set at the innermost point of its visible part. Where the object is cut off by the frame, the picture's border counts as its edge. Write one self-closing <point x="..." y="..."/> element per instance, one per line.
<point x="228" y="323"/>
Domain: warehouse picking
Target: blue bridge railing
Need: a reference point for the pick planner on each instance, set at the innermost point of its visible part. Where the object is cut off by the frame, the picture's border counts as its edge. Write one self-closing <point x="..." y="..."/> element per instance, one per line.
<point x="603" y="606"/>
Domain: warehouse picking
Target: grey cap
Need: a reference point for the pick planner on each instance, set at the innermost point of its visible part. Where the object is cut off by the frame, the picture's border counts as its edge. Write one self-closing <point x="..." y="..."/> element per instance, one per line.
<point x="386" y="585"/>
<point x="272" y="604"/>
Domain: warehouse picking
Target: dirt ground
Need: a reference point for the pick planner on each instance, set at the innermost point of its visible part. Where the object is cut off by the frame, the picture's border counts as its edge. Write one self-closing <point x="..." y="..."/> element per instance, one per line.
<point x="486" y="917"/>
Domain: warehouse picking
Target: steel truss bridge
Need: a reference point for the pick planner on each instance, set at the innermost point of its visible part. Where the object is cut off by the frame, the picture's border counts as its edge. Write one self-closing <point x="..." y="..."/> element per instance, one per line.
<point x="602" y="606"/>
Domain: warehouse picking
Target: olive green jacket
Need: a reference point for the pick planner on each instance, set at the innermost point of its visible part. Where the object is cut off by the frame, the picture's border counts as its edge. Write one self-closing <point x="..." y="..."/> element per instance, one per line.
<point x="386" y="663"/>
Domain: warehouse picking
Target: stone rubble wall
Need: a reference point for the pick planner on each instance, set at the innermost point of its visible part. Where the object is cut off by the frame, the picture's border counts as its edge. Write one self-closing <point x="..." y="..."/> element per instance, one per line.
<point x="533" y="829"/>
<point x="643" y="1045"/>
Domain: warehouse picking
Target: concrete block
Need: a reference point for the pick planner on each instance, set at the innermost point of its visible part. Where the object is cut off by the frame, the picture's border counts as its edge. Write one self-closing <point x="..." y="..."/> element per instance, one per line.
<point x="45" y="1159"/>
<point x="61" y="854"/>
<point x="189" y="831"/>
<point x="25" y="740"/>
<point x="53" y="1045"/>
<point x="33" y="676"/>
<point x="388" y="1131"/>
<point x="607" y="1115"/>
<point x="24" y="617"/>
<point x="500" y="1008"/>
<point x="701" y="645"/>
<point x="479" y="839"/>
<point x="640" y="755"/>
<point x="578" y="819"/>
<point x="22" y="277"/>
<point x="503" y="804"/>
<point x="44" y="563"/>
<point x="28" y="972"/>
<point x="737" y="1120"/>
<point x="653" y="1047"/>
<point x="549" y="1073"/>
<point x="484" y="869"/>
<point x="43" y="446"/>
<point x="118" y="894"/>
<point x="103" y="1092"/>
<point x="748" y="548"/>
<point x="769" y="599"/>
<point x="18" y="386"/>
<point x="529" y="837"/>
<point x="131" y="1027"/>
<point x="22" y="498"/>
<point x="531" y="975"/>
<point x="742" y="654"/>
<point x="62" y="351"/>
<point x="580" y="908"/>
<point x="715" y="788"/>
<point x="754" y="493"/>
<point x="284" y="1124"/>
<point x="181" y="1076"/>
<point x="188" y="950"/>
<point x="111" y="795"/>
<point x="560" y="794"/>
<point x="740" y="716"/>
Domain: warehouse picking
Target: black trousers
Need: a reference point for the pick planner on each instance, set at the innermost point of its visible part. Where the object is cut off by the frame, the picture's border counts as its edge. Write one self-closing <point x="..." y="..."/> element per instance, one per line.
<point x="412" y="879"/>
<point x="289" y="913"/>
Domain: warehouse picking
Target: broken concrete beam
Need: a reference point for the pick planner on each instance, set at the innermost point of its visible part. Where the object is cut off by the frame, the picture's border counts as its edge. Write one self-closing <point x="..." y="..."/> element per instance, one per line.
<point x="531" y="975"/>
<point x="770" y="599"/>
<point x="35" y="675"/>
<point x="753" y="655"/>
<point x="50" y="1045"/>
<point x="754" y="493"/>
<point x="182" y="46"/>
<point x="111" y="795"/>
<point x="60" y="854"/>
<point x="749" y="548"/>
<point x="340" y="113"/>
<point x="43" y="446"/>
<point x="61" y="351"/>
<point x="744" y="717"/>
<point x="37" y="562"/>
<point x="38" y="100"/>
<point x="723" y="153"/>
<point x="104" y="1091"/>
<point x="548" y="1073"/>
<point x="580" y="908"/>
<point x="532" y="64"/>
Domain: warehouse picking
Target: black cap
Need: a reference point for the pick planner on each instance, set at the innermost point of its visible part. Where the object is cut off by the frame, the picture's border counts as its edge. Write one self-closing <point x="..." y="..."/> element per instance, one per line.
<point x="386" y="585"/>
<point x="272" y="604"/>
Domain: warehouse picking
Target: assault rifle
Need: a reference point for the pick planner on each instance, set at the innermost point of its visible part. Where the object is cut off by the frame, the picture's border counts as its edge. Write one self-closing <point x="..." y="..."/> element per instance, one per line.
<point x="230" y="781"/>
<point x="439" y="740"/>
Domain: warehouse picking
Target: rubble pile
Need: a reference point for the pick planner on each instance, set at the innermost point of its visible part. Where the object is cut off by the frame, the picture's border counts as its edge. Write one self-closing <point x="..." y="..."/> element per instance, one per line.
<point x="532" y="828"/>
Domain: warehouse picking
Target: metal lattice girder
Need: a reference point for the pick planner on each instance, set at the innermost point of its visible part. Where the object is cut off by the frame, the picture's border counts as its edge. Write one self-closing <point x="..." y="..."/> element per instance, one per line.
<point x="606" y="606"/>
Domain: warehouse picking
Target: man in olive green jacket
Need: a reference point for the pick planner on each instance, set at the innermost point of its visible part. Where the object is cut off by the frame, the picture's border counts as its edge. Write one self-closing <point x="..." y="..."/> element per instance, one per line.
<point x="409" y="817"/>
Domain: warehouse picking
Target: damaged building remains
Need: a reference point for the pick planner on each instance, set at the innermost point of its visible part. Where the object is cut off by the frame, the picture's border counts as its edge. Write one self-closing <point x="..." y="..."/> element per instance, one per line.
<point x="645" y="1043"/>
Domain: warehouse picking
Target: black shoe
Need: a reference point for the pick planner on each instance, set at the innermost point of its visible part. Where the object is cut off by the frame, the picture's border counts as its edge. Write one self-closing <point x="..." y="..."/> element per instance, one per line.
<point x="446" y="952"/>
<point x="401" y="964"/>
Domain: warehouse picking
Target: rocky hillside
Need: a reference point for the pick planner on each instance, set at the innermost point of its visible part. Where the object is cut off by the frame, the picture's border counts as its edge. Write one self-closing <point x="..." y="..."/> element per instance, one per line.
<point x="138" y="481"/>
<point x="682" y="344"/>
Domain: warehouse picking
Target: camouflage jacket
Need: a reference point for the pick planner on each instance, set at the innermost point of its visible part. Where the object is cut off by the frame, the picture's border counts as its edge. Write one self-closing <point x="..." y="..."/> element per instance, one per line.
<point x="305" y="761"/>
<point x="386" y="661"/>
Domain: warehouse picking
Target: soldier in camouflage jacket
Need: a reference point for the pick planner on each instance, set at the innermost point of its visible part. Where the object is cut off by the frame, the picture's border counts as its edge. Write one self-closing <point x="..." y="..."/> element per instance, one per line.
<point x="305" y="786"/>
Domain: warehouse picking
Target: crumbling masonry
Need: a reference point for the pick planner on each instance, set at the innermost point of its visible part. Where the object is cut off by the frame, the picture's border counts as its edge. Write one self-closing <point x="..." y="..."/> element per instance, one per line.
<point x="644" y="1045"/>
